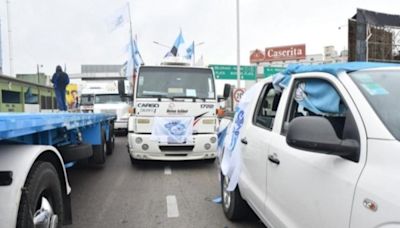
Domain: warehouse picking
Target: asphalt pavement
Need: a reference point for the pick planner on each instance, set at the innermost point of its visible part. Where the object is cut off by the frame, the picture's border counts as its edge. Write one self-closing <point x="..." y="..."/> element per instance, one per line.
<point x="151" y="194"/>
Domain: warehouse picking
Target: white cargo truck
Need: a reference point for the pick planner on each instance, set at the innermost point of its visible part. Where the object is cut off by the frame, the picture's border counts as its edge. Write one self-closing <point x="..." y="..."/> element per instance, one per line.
<point x="175" y="114"/>
<point x="102" y="96"/>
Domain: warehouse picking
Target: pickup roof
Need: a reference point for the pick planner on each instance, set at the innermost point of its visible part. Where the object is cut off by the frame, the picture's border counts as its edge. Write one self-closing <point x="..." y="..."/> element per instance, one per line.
<point x="317" y="146"/>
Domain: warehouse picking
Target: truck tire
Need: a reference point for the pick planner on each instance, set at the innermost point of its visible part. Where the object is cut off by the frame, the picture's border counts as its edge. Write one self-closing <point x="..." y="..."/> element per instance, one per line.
<point x="75" y="152"/>
<point x="42" y="183"/>
<point x="99" y="151"/>
<point x="111" y="140"/>
<point x="233" y="205"/>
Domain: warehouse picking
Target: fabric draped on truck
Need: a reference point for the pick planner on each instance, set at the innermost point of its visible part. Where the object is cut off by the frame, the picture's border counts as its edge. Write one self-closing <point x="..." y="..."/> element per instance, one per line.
<point x="172" y="130"/>
<point x="231" y="157"/>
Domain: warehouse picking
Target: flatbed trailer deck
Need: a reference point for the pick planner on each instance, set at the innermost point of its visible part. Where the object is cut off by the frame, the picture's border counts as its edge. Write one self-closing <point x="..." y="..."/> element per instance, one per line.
<point x="34" y="148"/>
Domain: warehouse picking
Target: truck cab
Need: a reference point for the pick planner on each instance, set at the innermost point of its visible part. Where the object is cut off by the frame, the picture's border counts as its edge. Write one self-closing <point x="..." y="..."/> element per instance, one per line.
<point x="317" y="146"/>
<point x="102" y="96"/>
<point x="174" y="114"/>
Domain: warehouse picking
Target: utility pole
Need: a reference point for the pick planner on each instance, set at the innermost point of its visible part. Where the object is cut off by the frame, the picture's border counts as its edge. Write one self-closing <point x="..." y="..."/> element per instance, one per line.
<point x="238" y="43"/>
<point x="1" y="53"/>
<point x="10" y="53"/>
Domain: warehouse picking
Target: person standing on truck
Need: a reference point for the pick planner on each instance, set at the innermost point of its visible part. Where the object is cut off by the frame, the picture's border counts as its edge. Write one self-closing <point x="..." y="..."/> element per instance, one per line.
<point x="60" y="81"/>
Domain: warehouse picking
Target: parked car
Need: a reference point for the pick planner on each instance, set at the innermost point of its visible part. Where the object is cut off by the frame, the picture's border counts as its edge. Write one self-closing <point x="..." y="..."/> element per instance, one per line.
<point x="319" y="147"/>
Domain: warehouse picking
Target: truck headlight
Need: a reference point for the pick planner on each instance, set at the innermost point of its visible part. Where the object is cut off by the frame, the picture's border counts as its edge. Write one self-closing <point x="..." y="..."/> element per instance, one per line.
<point x="143" y="121"/>
<point x="208" y="121"/>
<point x="138" y="140"/>
<point x="213" y="139"/>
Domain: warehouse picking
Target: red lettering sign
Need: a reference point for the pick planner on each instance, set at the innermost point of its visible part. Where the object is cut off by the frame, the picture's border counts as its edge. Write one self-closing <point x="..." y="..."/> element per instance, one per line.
<point x="291" y="52"/>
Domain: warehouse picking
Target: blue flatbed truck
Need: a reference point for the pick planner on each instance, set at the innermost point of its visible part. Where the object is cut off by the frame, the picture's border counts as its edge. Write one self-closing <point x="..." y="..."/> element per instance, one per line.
<point x="34" y="151"/>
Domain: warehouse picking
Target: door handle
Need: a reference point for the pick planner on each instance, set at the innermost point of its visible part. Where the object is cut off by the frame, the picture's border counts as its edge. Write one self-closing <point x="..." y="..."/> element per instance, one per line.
<point x="244" y="141"/>
<point x="273" y="159"/>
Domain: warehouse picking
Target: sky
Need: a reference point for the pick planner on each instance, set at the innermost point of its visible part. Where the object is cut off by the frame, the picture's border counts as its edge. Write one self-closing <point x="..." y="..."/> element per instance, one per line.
<point x="75" y="32"/>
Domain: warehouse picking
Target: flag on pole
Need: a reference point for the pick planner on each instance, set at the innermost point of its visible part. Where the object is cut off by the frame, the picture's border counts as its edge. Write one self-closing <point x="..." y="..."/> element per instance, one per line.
<point x="190" y="51"/>
<point x="174" y="50"/>
<point x="119" y="18"/>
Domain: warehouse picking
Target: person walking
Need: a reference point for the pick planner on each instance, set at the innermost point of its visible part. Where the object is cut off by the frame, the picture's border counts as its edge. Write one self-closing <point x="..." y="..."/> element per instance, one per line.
<point x="60" y="81"/>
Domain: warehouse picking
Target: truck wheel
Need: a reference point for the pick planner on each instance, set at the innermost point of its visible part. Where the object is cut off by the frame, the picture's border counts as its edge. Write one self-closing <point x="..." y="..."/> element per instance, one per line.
<point x="41" y="202"/>
<point x="99" y="151"/>
<point x="234" y="206"/>
<point x="111" y="140"/>
<point x="133" y="160"/>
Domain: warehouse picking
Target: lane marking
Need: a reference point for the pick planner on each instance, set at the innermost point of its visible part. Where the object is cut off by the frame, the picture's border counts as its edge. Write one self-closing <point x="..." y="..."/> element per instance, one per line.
<point x="167" y="170"/>
<point x="172" y="207"/>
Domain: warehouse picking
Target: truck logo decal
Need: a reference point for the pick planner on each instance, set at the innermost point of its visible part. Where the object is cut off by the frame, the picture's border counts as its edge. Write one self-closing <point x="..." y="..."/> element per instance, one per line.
<point x="197" y="118"/>
<point x="148" y="105"/>
<point x="207" y="106"/>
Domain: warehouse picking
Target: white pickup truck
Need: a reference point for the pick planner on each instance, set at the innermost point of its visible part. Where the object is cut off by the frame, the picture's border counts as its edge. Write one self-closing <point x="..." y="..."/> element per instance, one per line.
<point x="318" y="147"/>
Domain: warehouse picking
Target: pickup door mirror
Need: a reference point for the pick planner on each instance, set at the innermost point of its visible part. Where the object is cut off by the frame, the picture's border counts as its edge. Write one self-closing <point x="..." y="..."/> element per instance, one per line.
<point x="227" y="91"/>
<point x="121" y="87"/>
<point x="316" y="134"/>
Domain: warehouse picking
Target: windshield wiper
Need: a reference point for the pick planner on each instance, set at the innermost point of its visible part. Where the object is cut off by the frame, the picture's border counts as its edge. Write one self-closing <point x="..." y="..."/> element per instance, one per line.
<point x="187" y="97"/>
<point x="158" y="96"/>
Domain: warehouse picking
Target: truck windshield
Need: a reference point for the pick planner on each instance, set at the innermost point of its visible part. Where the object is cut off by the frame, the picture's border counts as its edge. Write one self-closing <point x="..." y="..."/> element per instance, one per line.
<point x="87" y="99"/>
<point x="170" y="82"/>
<point x="110" y="99"/>
<point x="381" y="88"/>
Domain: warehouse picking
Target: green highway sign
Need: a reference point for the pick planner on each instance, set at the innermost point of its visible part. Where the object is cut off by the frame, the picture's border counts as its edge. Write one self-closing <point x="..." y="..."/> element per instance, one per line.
<point x="269" y="71"/>
<point x="229" y="72"/>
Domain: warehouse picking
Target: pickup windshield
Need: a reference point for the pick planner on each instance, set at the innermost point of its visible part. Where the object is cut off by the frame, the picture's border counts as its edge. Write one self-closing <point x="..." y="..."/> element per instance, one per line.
<point x="175" y="82"/>
<point x="381" y="88"/>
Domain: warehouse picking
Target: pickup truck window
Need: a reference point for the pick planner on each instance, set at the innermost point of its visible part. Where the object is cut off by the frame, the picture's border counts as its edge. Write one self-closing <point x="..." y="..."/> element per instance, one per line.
<point x="343" y="122"/>
<point x="381" y="89"/>
<point x="267" y="105"/>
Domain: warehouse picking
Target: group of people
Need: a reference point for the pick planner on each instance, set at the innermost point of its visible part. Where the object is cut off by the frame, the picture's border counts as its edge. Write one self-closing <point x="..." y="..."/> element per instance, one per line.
<point x="60" y="81"/>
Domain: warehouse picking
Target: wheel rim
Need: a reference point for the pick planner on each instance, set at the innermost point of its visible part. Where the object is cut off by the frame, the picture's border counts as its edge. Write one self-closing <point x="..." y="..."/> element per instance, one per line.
<point x="226" y="194"/>
<point x="45" y="216"/>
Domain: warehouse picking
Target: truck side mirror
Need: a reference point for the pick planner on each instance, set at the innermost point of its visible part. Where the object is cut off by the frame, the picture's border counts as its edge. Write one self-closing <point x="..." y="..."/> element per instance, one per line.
<point x="316" y="134"/>
<point x="121" y="87"/>
<point x="227" y="91"/>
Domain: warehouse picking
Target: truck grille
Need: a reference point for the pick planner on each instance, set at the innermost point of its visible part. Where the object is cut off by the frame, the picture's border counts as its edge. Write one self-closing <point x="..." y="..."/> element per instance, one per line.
<point x="176" y="148"/>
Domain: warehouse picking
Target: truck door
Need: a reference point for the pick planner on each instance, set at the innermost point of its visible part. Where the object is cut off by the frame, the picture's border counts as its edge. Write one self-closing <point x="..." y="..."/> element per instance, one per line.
<point x="255" y="143"/>
<point x="308" y="189"/>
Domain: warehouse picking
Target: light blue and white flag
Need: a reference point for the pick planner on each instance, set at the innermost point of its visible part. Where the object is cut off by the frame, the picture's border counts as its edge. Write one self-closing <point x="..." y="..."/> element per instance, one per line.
<point x="231" y="158"/>
<point x="119" y="18"/>
<point x="174" y="50"/>
<point x="190" y="51"/>
<point x="173" y="130"/>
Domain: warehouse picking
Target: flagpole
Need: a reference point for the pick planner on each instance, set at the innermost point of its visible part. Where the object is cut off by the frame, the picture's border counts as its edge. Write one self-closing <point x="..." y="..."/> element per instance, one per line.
<point x="131" y="35"/>
<point x="10" y="45"/>
<point x="194" y="54"/>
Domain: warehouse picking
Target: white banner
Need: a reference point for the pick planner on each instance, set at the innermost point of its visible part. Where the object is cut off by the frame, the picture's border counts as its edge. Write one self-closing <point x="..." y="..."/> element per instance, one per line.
<point x="231" y="160"/>
<point x="172" y="130"/>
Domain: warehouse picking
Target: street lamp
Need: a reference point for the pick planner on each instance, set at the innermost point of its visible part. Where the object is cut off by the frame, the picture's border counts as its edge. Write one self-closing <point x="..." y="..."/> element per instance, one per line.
<point x="238" y="43"/>
<point x="38" y="72"/>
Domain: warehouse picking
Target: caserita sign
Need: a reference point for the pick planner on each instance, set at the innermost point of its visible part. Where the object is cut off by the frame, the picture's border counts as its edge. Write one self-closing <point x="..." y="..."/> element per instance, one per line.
<point x="291" y="52"/>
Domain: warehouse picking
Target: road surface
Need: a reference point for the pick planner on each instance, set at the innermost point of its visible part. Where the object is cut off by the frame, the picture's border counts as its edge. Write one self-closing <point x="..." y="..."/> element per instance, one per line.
<point x="152" y="194"/>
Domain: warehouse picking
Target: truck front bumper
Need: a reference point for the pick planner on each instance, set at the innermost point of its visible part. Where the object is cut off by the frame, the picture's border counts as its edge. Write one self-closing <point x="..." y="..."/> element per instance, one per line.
<point x="121" y="125"/>
<point x="141" y="147"/>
